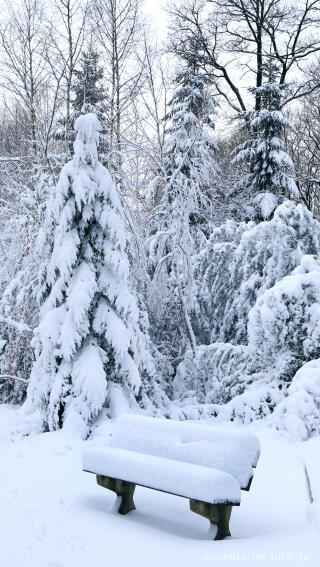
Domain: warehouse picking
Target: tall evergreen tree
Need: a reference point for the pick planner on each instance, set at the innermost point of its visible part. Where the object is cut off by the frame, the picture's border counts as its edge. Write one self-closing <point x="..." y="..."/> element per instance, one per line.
<point x="268" y="180"/>
<point x="190" y="166"/>
<point x="182" y="218"/>
<point x="88" y="95"/>
<point x="87" y="86"/>
<point x="88" y="337"/>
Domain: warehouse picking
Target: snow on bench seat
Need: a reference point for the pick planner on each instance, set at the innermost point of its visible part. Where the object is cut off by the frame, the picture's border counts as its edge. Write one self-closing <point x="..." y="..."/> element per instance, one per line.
<point x="194" y="445"/>
<point x="180" y="478"/>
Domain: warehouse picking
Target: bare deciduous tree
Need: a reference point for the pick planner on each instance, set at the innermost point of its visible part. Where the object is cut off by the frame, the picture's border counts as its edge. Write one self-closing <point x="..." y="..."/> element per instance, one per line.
<point x="235" y="42"/>
<point x="67" y="39"/>
<point x="23" y="46"/>
<point x="117" y="26"/>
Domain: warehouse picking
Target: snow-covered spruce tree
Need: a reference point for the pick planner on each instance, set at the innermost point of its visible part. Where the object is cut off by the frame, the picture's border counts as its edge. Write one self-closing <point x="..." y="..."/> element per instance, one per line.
<point x="89" y="95"/>
<point x="181" y="220"/>
<point x="88" y="338"/>
<point x="87" y="85"/>
<point x="268" y="180"/>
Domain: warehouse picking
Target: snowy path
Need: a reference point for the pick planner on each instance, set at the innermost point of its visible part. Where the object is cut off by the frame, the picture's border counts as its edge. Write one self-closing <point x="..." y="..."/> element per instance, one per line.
<point x="53" y="515"/>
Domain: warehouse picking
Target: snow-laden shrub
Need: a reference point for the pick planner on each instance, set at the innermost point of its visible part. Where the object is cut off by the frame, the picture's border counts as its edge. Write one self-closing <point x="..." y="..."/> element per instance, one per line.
<point x="299" y="412"/>
<point x="272" y="304"/>
<point x="222" y="381"/>
<point x="247" y="382"/>
<point x="242" y="261"/>
<point x="25" y="235"/>
<point x="284" y="325"/>
<point x="215" y="375"/>
<point x="214" y="284"/>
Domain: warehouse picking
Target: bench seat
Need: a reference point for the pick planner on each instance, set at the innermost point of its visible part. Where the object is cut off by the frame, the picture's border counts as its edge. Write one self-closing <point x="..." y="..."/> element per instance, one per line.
<point x="176" y="477"/>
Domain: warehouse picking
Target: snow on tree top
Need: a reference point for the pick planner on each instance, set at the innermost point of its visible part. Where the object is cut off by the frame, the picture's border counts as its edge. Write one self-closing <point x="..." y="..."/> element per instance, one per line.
<point x="85" y="146"/>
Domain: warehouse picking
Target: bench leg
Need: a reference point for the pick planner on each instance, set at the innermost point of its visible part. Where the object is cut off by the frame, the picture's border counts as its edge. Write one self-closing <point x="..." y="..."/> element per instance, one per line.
<point x="121" y="488"/>
<point x="217" y="514"/>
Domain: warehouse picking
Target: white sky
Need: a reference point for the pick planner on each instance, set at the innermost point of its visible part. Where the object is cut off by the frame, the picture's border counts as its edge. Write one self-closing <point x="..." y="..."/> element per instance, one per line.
<point x="155" y="11"/>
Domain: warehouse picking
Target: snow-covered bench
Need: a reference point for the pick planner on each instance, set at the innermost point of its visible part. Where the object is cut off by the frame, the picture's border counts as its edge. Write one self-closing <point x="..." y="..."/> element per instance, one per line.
<point x="206" y="464"/>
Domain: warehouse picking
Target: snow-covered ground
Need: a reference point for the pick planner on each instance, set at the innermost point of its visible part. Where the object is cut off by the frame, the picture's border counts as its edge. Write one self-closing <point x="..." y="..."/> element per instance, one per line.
<point x="54" y="515"/>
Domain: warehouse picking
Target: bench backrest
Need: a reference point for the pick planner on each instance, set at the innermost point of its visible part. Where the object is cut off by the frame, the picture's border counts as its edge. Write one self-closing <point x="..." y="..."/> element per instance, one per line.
<point x="189" y="431"/>
<point x="218" y="448"/>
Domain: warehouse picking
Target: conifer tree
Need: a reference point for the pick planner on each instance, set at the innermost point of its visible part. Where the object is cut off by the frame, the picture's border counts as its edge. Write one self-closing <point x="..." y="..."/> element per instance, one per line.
<point x="87" y="86"/>
<point x="190" y="166"/>
<point x="88" y="337"/>
<point x="88" y="95"/>
<point x="268" y="180"/>
<point x="182" y="219"/>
